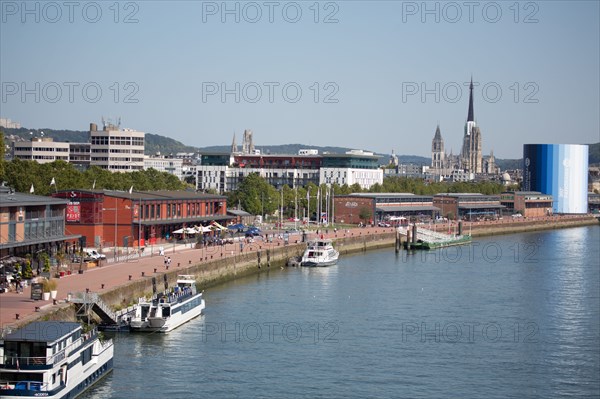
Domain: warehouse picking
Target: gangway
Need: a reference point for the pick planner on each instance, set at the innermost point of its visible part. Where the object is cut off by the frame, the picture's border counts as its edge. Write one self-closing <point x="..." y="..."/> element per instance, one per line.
<point x="90" y="302"/>
<point x="429" y="239"/>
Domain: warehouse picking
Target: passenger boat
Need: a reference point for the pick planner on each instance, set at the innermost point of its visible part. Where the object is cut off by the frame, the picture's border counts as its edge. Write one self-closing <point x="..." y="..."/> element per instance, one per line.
<point x="319" y="252"/>
<point x="169" y="309"/>
<point x="52" y="359"/>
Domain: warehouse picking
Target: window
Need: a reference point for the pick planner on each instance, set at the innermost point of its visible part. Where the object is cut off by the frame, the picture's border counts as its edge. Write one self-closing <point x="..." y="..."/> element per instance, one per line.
<point x="86" y="356"/>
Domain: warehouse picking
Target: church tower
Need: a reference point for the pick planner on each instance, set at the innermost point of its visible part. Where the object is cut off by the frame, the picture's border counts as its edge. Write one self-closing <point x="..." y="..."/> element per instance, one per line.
<point x="438" y="156"/>
<point x="234" y="148"/>
<point x="471" y="155"/>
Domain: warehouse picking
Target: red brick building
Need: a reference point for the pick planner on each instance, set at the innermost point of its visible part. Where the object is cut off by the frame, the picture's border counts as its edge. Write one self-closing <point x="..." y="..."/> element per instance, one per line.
<point x="382" y="207"/>
<point x="527" y="203"/>
<point x="103" y="216"/>
<point x="468" y="206"/>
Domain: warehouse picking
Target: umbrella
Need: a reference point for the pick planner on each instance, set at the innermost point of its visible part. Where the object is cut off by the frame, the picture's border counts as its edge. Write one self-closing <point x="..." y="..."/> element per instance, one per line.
<point x="180" y="231"/>
<point x="203" y="229"/>
<point x="217" y="226"/>
<point x="239" y="226"/>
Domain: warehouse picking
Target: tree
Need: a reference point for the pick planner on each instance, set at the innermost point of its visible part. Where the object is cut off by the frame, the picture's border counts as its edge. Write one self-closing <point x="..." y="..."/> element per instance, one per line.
<point x="2" y="152"/>
<point x="255" y="195"/>
<point x="27" y="272"/>
<point x="364" y="214"/>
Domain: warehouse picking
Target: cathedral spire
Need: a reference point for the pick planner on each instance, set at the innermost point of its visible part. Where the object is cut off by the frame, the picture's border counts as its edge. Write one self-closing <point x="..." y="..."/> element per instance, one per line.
<point x="438" y="134"/>
<point x="470" y="116"/>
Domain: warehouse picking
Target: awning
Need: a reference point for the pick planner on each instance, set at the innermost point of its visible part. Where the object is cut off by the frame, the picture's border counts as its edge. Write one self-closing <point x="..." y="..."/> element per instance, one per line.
<point x="194" y="220"/>
<point x="407" y="208"/>
<point x="218" y="226"/>
<point x="16" y="244"/>
<point x="239" y="226"/>
<point x="186" y="230"/>
<point x="481" y="206"/>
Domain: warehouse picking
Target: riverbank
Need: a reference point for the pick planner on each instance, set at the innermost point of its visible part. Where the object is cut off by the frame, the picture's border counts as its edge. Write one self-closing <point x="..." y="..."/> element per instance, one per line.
<point x="121" y="284"/>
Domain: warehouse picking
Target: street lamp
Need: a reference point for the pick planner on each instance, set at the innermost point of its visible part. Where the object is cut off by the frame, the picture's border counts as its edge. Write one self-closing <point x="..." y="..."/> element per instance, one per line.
<point x="115" y="243"/>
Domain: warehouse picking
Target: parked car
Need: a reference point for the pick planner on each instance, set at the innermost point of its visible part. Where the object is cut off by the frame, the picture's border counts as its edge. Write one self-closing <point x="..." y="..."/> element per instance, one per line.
<point x="93" y="254"/>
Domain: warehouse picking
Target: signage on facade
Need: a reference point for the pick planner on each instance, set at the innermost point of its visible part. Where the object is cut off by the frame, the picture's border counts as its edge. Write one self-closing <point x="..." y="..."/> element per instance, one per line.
<point x="73" y="212"/>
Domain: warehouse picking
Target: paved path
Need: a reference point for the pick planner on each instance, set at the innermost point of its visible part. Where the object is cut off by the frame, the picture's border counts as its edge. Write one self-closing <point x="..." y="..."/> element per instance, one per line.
<point x="108" y="276"/>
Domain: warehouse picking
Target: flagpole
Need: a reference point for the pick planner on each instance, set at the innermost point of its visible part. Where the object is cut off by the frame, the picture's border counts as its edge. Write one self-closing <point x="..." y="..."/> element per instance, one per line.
<point x="332" y="206"/>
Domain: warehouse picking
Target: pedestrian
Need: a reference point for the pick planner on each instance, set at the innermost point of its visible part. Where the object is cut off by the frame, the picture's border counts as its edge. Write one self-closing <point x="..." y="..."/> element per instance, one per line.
<point x="165" y="261"/>
<point x="169" y="261"/>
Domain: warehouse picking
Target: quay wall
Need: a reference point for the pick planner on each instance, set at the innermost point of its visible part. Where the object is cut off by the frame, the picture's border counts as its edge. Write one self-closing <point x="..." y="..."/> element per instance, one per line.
<point x="214" y="272"/>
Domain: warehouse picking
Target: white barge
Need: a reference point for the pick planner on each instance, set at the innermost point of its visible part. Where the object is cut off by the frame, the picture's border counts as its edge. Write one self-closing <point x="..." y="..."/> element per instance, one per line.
<point x="52" y="359"/>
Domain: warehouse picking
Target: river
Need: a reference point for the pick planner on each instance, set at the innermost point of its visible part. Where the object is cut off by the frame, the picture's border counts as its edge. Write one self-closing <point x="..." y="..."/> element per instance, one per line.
<point x="508" y="316"/>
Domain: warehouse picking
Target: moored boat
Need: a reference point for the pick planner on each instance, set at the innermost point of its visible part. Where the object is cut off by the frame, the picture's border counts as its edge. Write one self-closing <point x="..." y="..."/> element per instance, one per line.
<point x="52" y="359"/>
<point x="320" y="252"/>
<point x="169" y="309"/>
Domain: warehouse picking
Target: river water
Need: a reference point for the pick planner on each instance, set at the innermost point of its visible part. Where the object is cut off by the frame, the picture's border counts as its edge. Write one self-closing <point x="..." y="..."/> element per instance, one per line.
<point x="509" y="316"/>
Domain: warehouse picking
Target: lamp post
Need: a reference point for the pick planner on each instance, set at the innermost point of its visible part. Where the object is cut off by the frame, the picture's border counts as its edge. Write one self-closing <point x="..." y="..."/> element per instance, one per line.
<point x="115" y="209"/>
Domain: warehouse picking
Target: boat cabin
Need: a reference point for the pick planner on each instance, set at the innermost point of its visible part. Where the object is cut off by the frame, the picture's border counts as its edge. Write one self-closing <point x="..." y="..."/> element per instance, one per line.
<point x="28" y="355"/>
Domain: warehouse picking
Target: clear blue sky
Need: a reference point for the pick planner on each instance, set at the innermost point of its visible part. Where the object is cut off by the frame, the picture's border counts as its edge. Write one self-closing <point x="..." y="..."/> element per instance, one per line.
<point x="372" y="60"/>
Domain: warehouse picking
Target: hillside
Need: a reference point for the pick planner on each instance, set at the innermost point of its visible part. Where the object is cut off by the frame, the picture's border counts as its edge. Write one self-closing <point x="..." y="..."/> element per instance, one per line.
<point x="166" y="145"/>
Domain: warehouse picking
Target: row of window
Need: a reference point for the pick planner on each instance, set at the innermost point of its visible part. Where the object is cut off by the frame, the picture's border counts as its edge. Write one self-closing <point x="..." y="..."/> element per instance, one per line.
<point x="154" y="211"/>
<point x="117" y="140"/>
<point x="43" y="149"/>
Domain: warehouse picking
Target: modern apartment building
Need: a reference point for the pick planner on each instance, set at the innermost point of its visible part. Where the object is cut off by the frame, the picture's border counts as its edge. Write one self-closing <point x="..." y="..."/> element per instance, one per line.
<point x="173" y="166"/>
<point x="223" y="172"/>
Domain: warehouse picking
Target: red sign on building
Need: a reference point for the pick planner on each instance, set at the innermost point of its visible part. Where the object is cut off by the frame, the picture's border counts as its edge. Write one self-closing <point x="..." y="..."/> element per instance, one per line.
<point x="73" y="212"/>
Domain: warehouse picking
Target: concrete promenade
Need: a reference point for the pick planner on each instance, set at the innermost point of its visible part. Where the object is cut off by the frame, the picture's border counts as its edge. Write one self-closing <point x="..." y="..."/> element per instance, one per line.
<point x="112" y="275"/>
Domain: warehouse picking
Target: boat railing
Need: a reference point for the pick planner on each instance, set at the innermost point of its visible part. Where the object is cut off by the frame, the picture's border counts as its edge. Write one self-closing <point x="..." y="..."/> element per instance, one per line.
<point x="22" y="361"/>
<point x="24" y="385"/>
<point x="176" y="296"/>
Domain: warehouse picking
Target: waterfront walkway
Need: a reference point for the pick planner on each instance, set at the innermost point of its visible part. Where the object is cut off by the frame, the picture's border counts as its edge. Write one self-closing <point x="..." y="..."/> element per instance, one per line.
<point x="111" y="275"/>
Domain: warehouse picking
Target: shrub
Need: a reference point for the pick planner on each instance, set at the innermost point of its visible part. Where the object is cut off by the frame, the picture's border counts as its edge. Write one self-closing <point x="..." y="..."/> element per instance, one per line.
<point x="49" y="285"/>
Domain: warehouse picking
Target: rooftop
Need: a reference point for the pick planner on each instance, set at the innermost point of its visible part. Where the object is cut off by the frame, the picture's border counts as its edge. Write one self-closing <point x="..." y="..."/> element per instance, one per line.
<point x="8" y="197"/>
<point x="43" y="331"/>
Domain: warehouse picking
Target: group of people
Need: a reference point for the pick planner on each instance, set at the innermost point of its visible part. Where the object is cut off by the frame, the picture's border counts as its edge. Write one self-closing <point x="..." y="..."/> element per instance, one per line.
<point x="167" y="261"/>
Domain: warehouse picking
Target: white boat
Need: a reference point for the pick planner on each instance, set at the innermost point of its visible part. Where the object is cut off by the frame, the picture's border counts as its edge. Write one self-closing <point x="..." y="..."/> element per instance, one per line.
<point x="319" y="252"/>
<point x="52" y="359"/>
<point x="169" y="309"/>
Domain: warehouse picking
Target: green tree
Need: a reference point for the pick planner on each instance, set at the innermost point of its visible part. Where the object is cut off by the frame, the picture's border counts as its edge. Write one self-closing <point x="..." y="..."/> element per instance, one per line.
<point x="2" y="153"/>
<point x="364" y="214"/>
<point x="254" y="195"/>
<point x="27" y="272"/>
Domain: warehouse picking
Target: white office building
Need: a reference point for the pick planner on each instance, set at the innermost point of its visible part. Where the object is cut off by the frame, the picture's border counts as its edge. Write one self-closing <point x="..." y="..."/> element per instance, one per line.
<point x="115" y="149"/>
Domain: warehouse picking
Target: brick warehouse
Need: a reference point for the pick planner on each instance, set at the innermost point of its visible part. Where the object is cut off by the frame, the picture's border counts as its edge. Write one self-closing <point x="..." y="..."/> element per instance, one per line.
<point x="382" y="207"/>
<point x="101" y="216"/>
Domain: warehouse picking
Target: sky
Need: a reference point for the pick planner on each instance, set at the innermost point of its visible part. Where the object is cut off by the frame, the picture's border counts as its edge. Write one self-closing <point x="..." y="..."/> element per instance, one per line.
<point x="372" y="75"/>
